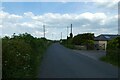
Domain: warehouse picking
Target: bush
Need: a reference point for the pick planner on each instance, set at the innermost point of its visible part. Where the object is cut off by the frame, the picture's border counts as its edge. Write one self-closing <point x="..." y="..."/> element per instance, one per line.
<point x="86" y="39"/>
<point x="113" y="52"/>
<point x="90" y="45"/>
<point x="112" y="48"/>
<point x="21" y="55"/>
<point x="16" y="58"/>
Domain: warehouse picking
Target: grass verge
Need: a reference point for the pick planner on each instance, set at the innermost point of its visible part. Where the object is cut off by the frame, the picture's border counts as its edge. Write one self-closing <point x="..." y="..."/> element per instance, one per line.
<point x="109" y="60"/>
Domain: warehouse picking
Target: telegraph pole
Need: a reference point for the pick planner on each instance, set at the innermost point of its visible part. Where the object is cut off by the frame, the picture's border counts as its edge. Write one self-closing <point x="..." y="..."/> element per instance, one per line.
<point x="71" y="35"/>
<point x="67" y="34"/>
<point x="61" y="35"/>
<point x="67" y="31"/>
<point x="44" y="30"/>
<point x="61" y="38"/>
<point x="71" y="28"/>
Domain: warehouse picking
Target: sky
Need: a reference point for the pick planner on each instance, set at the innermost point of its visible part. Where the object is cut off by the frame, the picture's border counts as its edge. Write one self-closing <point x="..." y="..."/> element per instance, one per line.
<point x="86" y="17"/>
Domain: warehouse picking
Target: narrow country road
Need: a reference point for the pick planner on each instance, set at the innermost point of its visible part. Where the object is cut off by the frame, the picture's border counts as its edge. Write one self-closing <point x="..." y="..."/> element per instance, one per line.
<point x="60" y="62"/>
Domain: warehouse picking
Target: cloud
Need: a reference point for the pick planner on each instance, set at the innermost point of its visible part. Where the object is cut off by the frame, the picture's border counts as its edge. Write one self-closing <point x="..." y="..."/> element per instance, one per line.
<point x="12" y="18"/>
<point x="56" y="23"/>
<point x="37" y="33"/>
<point x="28" y="14"/>
<point x="63" y="20"/>
<point x="107" y="4"/>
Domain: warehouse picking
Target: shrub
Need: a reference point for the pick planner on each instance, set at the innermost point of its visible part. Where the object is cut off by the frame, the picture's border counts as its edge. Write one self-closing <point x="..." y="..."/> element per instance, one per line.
<point x="21" y="55"/>
<point x="113" y="51"/>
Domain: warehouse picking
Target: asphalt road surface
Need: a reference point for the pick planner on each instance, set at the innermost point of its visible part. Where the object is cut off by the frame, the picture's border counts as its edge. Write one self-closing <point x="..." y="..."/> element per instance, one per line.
<point x="60" y="62"/>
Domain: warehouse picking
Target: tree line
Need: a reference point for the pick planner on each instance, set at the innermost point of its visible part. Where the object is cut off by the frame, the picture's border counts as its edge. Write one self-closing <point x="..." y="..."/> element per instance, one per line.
<point x="86" y="39"/>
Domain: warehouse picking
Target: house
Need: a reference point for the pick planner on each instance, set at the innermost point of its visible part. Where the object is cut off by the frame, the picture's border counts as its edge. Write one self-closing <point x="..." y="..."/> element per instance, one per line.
<point x="101" y="40"/>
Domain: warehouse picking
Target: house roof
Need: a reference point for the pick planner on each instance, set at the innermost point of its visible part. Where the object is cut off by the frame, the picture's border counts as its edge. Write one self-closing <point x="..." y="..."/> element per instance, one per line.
<point x="105" y="37"/>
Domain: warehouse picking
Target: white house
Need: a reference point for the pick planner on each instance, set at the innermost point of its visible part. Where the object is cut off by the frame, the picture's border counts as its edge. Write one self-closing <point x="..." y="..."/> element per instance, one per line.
<point x="101" y="40"/>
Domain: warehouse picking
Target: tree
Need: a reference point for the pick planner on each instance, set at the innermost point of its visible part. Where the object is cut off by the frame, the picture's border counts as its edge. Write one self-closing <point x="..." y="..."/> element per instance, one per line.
<point x="77" y="40"/>
<point x="83" y="38"/>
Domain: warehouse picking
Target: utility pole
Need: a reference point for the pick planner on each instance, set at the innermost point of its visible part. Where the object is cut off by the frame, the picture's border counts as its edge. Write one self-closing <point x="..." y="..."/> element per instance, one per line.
<point x="44" y="30"/>
<point x="61" y="35"/>
<point x="71" y="28"/>
<point x="61" y="38"/>
<point x="67" y="31"/>
<point x="71" y="35"/>
<point x="67" y="34"/>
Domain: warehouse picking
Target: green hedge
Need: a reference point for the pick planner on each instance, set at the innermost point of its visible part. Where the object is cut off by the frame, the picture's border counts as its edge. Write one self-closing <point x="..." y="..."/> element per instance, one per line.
<point x="113" y="52"/>
<point x="22" y="55"/>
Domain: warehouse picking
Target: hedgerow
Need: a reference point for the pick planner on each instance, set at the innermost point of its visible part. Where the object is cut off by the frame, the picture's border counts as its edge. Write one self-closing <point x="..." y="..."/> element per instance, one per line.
<point x="113" y="52"/>
<point x="21" y="55"/>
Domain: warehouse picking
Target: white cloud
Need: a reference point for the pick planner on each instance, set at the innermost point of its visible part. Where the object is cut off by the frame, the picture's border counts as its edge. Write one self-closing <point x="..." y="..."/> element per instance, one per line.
<point x="27" y="25"/>
<point x="12" y="18"/>
<point x="37" y="33"/>
<point x="57" y="23"/>
<point x="105" y="0"/>
<point x="0" y="26"/>
<point x="113" y="4"/>
<point x="29" y="14"/>
<point x="62" y="20"/>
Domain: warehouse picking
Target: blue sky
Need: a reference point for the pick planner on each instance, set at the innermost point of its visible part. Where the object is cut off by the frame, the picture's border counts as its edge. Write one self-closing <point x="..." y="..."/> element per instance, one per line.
<point x="52" y="7"/>
<point x="44" y="7"/>
<point x="29" y="17"/>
